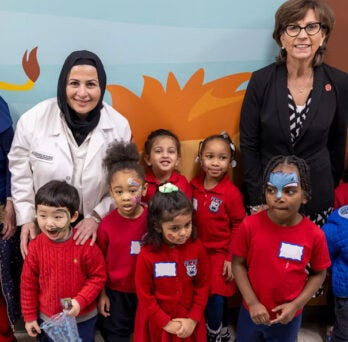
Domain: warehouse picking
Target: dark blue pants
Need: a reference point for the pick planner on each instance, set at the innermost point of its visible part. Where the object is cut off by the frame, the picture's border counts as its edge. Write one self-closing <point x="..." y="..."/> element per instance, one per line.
<point x="340" y="332"/>
<point x="214" y="311"/>
<point x="248" y="331"/>
<point x="120" y="324"/>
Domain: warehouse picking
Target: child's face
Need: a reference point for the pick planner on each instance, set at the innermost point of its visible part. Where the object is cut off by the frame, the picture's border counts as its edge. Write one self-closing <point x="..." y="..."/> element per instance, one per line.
<point x="178" y="230"/>
<point x="284" y="195"/>
<point x="163" y="157"/>
<point x="216" y="159"/>
<point x="54" y="222"/>
<point x="126" y="188"/>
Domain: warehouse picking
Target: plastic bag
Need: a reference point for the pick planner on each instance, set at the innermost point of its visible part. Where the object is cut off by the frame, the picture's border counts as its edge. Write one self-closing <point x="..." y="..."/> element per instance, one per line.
<point x="61" y="328"/>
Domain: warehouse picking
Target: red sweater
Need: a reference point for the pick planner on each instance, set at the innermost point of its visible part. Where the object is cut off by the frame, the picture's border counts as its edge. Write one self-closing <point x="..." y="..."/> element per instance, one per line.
<point x="119" y="239"/>
<point x="52" y="271"/>
<point x="217" y="214"/>
<point x="171" y="282"/>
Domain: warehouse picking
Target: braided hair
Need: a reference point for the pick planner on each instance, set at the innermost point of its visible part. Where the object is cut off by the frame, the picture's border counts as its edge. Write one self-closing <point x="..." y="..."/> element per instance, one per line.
<point x="303" y="170"/>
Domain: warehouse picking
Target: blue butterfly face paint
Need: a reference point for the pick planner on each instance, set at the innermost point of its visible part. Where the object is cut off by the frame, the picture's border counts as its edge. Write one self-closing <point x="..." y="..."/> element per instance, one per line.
<point x="280" y="180"/>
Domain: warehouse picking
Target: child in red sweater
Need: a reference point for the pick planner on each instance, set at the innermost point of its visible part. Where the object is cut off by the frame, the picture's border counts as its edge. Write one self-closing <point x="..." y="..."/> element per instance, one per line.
<point x="162" y="155"/>
<point x="218" y="211"/>
<point x="57" y="268"/>
<point x="119" y="234"/>
<point x="172" y="276"/>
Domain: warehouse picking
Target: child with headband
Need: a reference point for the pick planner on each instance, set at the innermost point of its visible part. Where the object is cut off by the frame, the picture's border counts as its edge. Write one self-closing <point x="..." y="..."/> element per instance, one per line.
<point x="57" y="268"/>
<point x="218" y="210"/>
<point x="172" y="273"/>
<point x="271" y="250"/>
<point x="119" y="236"/>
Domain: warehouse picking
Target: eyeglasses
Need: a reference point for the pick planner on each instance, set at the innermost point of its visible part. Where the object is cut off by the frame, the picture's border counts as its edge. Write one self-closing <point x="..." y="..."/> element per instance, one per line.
<point x="311" y="29"/>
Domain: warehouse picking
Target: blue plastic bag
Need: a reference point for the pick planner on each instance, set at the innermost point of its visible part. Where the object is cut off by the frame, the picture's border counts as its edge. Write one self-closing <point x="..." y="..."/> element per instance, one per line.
<point x="61" y="328"/>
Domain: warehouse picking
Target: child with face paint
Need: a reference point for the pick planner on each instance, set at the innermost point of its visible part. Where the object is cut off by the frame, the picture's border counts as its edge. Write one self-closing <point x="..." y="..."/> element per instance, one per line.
<point x="218" y="210"/>
<point x="162" y="155"/>
<point x="271" y="250"/>
<point x="119" y="236"/>
<point x="173" y="273"/>
<point x="57" y="268"/>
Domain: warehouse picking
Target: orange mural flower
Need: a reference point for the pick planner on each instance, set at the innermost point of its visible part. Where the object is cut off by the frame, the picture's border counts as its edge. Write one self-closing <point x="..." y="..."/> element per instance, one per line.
<point x="193" y="112"/>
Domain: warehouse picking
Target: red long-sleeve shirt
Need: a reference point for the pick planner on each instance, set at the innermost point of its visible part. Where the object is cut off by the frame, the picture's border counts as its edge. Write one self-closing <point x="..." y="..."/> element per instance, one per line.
<point x="217" y="214"/>
<point x="119" y="239"/>
<point x="172" y="282"/>
<point x="176" y="178"/>
<point x="55" y="270"/>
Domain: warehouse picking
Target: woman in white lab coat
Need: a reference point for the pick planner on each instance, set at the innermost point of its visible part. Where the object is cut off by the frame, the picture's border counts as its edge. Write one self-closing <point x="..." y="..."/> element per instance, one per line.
<point x="66" y="138"/>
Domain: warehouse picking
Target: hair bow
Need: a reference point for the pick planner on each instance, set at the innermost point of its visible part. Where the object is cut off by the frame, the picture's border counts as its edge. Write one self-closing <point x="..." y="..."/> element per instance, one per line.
<point x="167" y="188"/>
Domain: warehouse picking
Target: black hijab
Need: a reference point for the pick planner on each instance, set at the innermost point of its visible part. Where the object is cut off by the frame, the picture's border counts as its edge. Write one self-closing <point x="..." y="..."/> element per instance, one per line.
<point x="80" y="128"/>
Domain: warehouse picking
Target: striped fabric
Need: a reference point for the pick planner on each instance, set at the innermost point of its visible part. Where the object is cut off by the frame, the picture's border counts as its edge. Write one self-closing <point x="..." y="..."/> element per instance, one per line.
<point x="297" y="116"/>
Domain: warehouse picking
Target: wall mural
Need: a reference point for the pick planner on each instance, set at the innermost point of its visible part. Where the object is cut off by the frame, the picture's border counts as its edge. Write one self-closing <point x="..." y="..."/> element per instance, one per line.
<point x="187" y="110"/>
<point x="32" y="70"/>
<point x="183" y="68"/>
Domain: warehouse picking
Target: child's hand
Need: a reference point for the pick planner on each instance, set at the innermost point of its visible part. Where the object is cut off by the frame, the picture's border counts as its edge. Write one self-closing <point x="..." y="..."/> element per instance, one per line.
<point x="285" y="313"/>
<point x="172" y="327"/>
<point x="188" y="325"/>
<point x="259" y="314"/>
<point x="75" y="310"/>
<point x="32" y="328"/>
<point x="227" y="271"/>
<point x="104" y="304"/>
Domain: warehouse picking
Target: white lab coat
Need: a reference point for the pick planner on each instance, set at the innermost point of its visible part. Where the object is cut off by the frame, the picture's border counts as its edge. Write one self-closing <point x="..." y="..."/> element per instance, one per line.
<point x="40" y="152"/>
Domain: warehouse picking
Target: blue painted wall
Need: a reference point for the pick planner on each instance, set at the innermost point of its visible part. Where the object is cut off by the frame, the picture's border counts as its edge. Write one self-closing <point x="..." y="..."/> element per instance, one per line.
<point x="133" y="38"/>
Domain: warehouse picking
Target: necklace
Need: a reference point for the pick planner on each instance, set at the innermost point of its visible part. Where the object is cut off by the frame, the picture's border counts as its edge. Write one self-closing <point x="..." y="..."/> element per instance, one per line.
<point x="301" y="90"/>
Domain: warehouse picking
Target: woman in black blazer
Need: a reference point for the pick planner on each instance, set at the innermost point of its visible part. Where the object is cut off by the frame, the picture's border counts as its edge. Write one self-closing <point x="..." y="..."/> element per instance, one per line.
<point x="298" y="105"/>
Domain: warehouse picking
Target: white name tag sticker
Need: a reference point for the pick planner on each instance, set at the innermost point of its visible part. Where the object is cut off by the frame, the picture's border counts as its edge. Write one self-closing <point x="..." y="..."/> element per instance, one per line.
<point x="165" y="269"/>
<point x="290" y="251"/>
<point x="135" y="247"/>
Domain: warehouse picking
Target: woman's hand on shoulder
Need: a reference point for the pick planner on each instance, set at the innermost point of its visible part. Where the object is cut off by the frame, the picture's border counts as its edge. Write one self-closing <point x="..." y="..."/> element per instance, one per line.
<point x="29" y="231"/>
<point x="85" y="229"/>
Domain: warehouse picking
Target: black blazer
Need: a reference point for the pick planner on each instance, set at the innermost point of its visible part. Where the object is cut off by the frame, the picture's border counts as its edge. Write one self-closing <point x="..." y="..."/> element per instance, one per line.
<point x="265" y="131"/>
